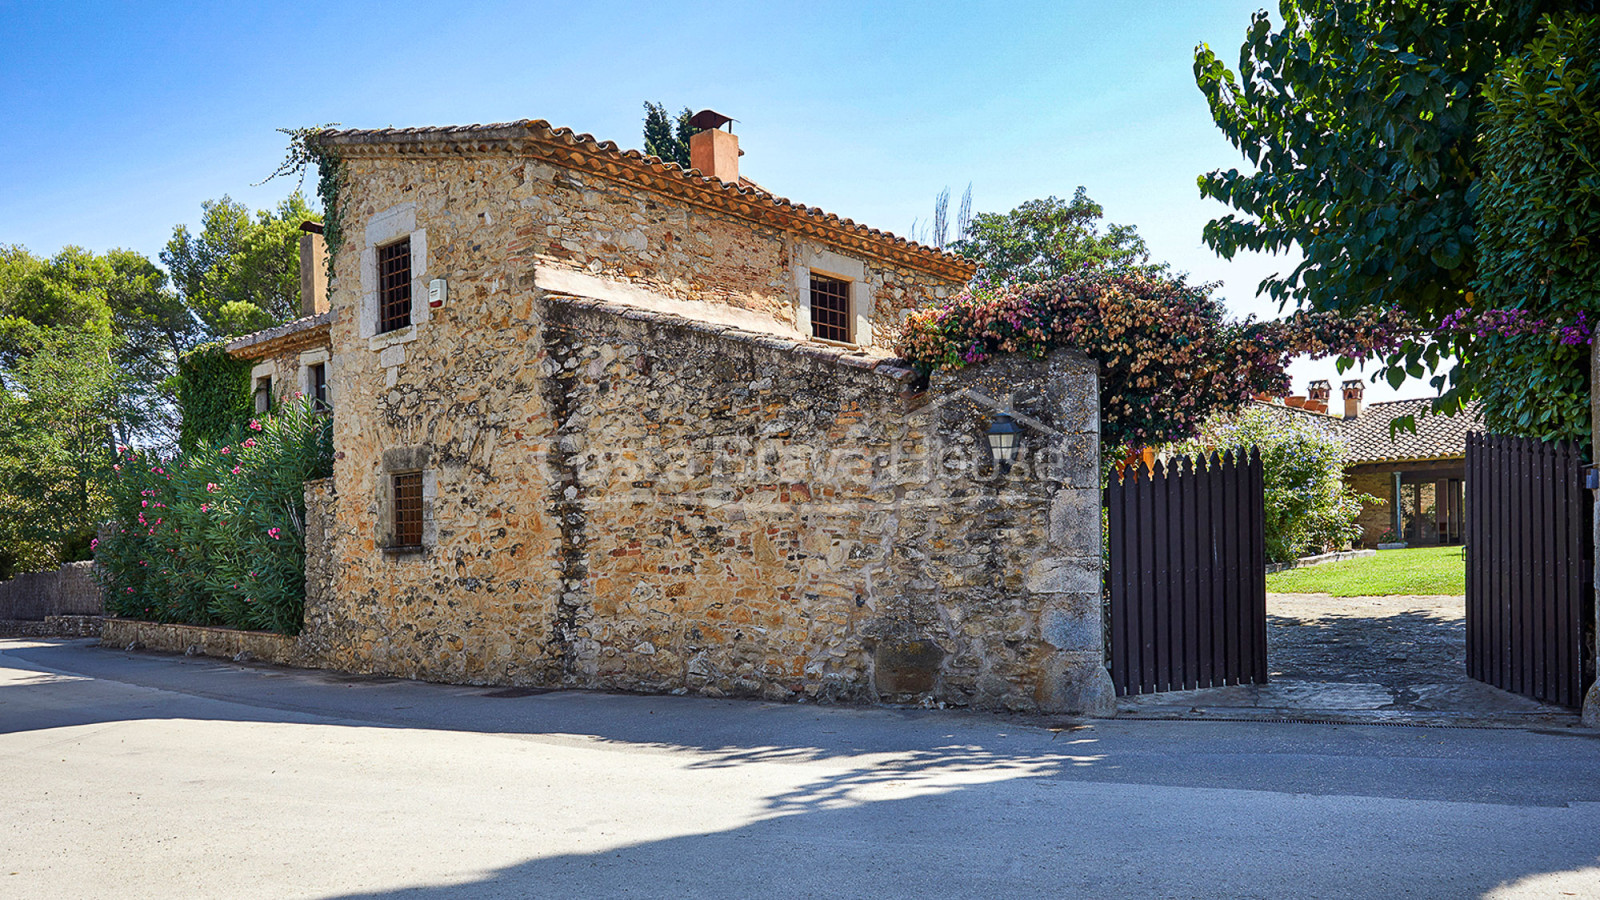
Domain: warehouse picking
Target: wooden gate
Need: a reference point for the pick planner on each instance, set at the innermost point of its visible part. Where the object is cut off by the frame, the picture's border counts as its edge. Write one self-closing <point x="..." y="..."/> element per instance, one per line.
<point x="1530" y="552"/>
<point x="1187" y="575"/>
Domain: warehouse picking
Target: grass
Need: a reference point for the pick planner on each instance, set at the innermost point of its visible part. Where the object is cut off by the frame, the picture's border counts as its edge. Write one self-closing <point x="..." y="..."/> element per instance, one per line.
<point x="1422" y="570"/>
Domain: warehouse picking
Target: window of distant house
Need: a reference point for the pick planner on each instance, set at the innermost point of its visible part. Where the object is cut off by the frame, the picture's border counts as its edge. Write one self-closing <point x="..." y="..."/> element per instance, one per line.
<point x="263" y="393"/>
<point x="394" y="286"/>
<point x="408" y="510"/>
<point x="830" y="309"/>
<point x="317" y="381"/>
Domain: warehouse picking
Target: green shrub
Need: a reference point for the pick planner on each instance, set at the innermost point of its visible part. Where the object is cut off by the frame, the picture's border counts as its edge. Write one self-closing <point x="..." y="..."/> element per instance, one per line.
<point x="1308" y="507"/>
<point x="216" y="536"/>
<point x="213" y="395"/>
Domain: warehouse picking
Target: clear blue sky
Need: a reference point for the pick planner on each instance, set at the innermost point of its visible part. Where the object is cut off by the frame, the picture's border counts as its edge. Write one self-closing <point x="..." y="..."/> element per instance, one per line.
<point x="121" y="118"/>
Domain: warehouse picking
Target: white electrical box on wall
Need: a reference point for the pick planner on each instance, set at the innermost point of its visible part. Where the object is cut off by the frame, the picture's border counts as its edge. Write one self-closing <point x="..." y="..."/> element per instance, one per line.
<point x="438" y="292"/>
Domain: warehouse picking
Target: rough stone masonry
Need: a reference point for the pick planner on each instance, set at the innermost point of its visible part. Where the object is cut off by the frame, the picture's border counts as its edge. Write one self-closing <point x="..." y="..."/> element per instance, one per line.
<point x="639" y="470"/>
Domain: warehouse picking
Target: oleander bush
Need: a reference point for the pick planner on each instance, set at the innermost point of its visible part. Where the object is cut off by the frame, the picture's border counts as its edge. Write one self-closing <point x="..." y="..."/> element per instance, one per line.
<point x="216" y="535"/>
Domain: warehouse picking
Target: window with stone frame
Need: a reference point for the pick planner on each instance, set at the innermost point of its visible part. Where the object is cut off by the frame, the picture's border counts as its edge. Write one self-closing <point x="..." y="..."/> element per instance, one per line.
<point x="830" y="308"/>
<point x="407" y="499"/>
<point x="263" y="394"/>
<point x="317" y="382"/>
<point x="394" y="286"/>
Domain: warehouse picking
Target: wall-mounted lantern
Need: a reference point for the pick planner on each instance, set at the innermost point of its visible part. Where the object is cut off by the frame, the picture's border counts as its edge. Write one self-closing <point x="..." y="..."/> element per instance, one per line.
<point x="1005" y="441"/>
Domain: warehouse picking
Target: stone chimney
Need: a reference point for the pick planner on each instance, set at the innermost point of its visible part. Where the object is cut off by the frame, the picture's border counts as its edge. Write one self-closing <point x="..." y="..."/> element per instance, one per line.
<point x="1320" y="392"/>
<point x="711" y="150"/>
<point x="1353" y="389"/>
<point x="313" y="270"/>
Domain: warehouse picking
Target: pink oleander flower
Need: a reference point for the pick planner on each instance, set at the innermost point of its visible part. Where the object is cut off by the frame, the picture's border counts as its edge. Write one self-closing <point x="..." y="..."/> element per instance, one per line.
<point x="211" y="487"/>
<point x="93" y="543"/>
<point x="224" y="451"/>
<point x="249" y="442"/>
<point x="145" y="504"/>
<point x="255" y="425"/>
<point x="204" y="507"/>
<point x="275" y="533"/>
<point x="235" y="470"/>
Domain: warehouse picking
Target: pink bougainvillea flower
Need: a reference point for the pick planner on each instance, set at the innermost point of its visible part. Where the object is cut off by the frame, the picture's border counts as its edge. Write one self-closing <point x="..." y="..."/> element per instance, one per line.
<point x="93" y="543"/>
<point x="255" y="425"/>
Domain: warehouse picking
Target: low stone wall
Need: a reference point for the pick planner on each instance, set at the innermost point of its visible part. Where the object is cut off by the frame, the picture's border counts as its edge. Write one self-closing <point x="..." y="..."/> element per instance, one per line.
<point x="1319" y="559"/>
<point x="52" y="626"/>
<point x="202" y="640"/>
<point x="68" y="591"/>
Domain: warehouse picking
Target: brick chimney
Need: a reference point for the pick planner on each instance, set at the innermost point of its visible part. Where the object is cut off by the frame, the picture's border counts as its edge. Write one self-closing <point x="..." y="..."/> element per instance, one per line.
<point x="711" y="150"/>
<point x="1353" y="389"/>
<point x="313" y="270"/>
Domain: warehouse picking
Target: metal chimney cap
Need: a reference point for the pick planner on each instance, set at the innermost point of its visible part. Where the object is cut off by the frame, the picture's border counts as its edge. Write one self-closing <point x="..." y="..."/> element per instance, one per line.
<point x="707" y="119"/>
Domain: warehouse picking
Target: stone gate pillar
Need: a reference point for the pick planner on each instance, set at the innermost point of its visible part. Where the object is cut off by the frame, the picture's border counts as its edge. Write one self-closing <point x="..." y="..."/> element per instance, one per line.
<point x="1002" y="562"/>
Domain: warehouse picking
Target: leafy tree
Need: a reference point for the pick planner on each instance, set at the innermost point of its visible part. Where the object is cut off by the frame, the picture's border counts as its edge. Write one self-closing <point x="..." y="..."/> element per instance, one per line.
<point x="1046" y="239"/>
<point x="1361" y="119"/>
<point x="58" y="407"/>
<point x="1537" y="285"/>
<point x="665" y="136"/>
<point x="1309" y="509"/>
<point x="240" y="274"/>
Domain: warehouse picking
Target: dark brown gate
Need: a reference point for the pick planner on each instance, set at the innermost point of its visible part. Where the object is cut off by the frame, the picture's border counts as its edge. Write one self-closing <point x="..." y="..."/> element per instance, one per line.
<point x="1187" y="576"/>
<point x="1530" y="600"/>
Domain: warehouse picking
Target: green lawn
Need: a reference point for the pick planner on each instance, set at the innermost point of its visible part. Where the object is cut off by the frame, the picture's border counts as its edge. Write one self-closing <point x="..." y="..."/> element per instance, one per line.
<point x="1424" y="570"/>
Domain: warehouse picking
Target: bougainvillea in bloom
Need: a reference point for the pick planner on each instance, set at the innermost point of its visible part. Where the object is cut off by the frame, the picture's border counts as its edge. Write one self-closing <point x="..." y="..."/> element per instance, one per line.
<point x="1169" y="357"/>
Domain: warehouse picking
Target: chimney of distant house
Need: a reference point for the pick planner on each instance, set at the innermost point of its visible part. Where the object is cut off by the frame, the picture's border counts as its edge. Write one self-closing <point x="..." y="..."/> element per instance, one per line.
<point x="1320" y="391"/>
<point x="1353" y="389"/>
<point x="711" y="150"/>
<point x="313" y="270"/>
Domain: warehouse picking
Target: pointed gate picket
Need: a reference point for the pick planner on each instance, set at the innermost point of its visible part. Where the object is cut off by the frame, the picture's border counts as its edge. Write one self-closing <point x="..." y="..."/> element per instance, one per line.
<point x="1187" y="575"/>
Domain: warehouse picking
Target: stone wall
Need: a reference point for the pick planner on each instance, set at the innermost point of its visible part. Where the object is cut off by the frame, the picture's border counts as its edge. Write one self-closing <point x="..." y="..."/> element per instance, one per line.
<point x="626" y="499"/>
<point x="204" y="640"/>
<point x="68" y="591"/>
<point x="1375" y="518"/>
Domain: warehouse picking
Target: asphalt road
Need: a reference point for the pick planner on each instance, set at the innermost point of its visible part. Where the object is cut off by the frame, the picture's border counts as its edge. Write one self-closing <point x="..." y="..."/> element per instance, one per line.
<point x="133" y="775"/>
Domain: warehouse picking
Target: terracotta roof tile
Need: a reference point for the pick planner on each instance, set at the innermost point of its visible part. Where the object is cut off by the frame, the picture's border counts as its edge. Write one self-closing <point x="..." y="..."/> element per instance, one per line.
<point x="1367" y="439"/>
<point x="565" y="147"/>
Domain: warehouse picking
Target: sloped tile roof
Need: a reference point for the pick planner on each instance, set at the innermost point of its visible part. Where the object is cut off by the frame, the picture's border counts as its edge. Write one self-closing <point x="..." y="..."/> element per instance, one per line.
<point x="1367" y="439"/>
<point x="1436" y="437"/>
<point x="563" y="146"/>
<point x="304" y="330"/>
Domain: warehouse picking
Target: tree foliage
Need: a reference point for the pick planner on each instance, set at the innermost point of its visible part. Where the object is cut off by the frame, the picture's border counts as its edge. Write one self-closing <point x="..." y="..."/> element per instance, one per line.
<point x="666" y="136"/>
<point x="1537" y="285"/>
<point x="1170" y="359"/>
<point x="1309" y="509"/>
<point x="213" y="394"/>
<point x="1361" y="120"/>
<point x="1042" y="240"/>
<point x="240" y="273"/>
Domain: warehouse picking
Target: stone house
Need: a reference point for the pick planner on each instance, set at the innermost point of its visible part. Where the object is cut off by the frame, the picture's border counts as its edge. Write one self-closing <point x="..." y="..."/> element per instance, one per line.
<point x="600" y="421"/>
<point x="295" y="357"/>
<point x="1418" y="476"/>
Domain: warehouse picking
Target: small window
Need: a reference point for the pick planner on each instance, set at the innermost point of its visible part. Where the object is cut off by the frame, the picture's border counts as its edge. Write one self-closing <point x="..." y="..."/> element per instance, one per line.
<point x="317" y="381"/>
<point x="263" y="394"/>
<point x="394" y="286"/>
<point x="830" y="309"/>
<point x="408" y="510"/>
